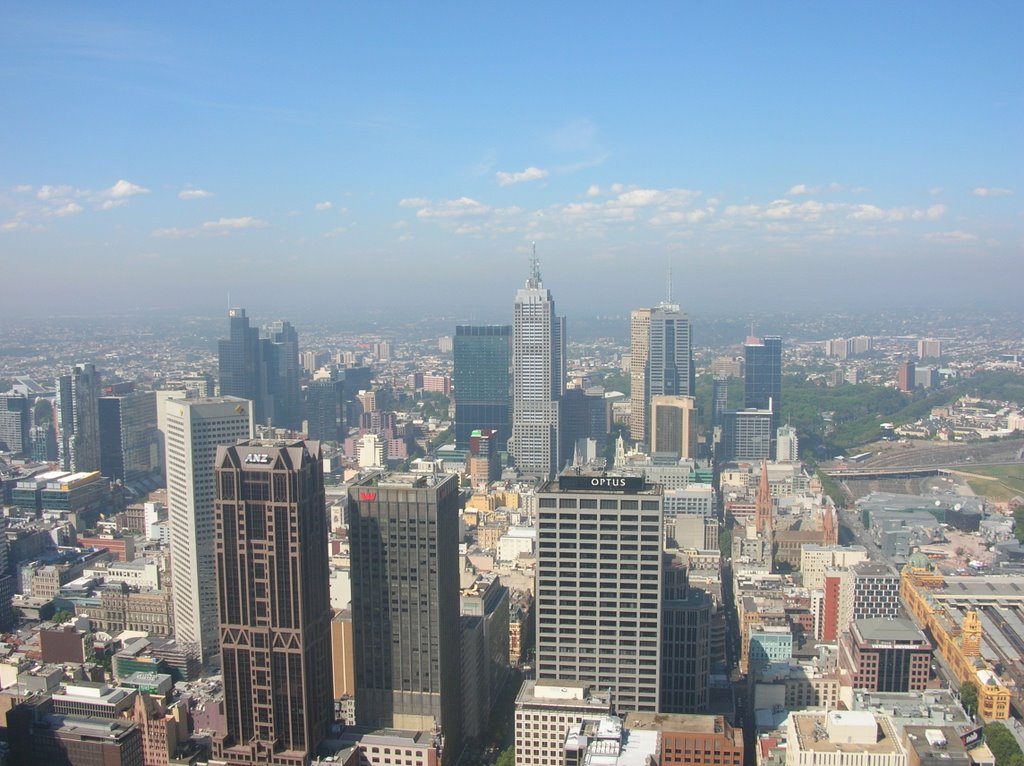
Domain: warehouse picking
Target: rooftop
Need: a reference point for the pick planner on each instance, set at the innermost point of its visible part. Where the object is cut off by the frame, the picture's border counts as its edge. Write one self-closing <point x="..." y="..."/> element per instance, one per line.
<point x="883" y="629"/>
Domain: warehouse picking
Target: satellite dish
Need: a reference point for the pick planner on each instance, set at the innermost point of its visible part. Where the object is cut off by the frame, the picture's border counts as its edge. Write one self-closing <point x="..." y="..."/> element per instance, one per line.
<point x="957" y="507"/>
<point x="938" y="503"/>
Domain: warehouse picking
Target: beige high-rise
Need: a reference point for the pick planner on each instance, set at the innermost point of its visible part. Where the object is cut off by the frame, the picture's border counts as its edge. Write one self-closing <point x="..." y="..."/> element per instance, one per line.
<point x="674" y="425"/>
<point x="640" y="340"/>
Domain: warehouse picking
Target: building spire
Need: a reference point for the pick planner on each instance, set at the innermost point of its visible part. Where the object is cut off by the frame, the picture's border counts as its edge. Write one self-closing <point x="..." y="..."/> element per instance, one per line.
<point x="669" y="279"/>
<point x="534" y="280"/>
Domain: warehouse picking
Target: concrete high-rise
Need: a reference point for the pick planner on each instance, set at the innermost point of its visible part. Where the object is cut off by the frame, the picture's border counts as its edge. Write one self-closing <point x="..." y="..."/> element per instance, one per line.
<point x="194" y="428"/>
<point x="762" y="376"/>
<point x="599" y="586"/>
<point x="404" y="541"/>
<point x="640" y="339"/>
<point x="78" y="419"/>
<point x="538" y="380"/>
<point x="16" y="424"/>
<point x="670" y="370"/>
<point x="674" y="426"/>
<point x="325" y="409"/>
<point x="483" y="382"/>
<point x="274" y="609"/>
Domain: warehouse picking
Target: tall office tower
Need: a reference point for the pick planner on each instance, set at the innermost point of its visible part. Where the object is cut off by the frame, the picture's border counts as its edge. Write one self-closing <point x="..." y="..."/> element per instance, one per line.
<point x="129" y="439"/>
<point x="404" y="538"/>
<point x="15" y="424"/>
<point x="670" y="370"/>
<point x="599" y="581"/>
<point x="483" y="382"/>
<point x="906" y="377"/>
<point x="78" y="418"/>
<point x="281" y="351"/>
<point x="325" y="409"/>
<point x="194" y="430"/>
<point x="240" y="364"/>
<point x="674" y="426"/>
<point x="538" y="379"/>
<point x="719" y="399"/>
<point x="274" y="606"/>
<point x="686" y="643"/>
<point x="483" y="463"/>
<point x="639" y="341"/>
<point x="787" y="445"/>
<point x="762" y="376"/>
<point x="746" y="435"/>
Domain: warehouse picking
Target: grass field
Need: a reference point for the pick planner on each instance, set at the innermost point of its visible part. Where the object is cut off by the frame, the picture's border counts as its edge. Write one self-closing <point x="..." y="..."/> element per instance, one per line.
<point x="1006" y="483"/>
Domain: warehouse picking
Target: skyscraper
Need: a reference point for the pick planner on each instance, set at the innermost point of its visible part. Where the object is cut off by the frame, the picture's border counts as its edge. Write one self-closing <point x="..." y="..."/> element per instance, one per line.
<point x="483" y="382"/>
<point x="239" y="364"/>
<point x="661" y="362"/>
<point x="129" y="439"/>
<point x="78" y="418"/>
<point x="194" y="430"/>
<point x="404" y="539"/>
<point x="762" y="375"/>
<point x="274" y="605"/>
<point x="538" y="379"/>
<point x="599" y="585"/>
<point x="281" y="351"/>
<point x="325" y="409"/>
<point x="263" y="370"/>
<point x="674" y="426"/>
<point x="16" y="424"/>
<point x="640" y="339"/>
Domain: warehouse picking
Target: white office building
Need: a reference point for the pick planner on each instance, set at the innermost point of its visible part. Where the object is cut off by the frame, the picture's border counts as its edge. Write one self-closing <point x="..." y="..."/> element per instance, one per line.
<point x="195" y="428"/>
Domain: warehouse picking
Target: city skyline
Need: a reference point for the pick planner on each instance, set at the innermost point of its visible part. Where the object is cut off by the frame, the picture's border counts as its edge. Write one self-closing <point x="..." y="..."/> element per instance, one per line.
<point x="798" y="146"/>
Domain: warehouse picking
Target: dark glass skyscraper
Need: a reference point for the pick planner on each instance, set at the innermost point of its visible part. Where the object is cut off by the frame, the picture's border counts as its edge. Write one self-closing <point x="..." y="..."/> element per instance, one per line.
<point x="263" y="370"/>
<point x="129" y="440"/>
<point x="239" y="365"/>
<point x="483" y="383"/>
<point x="325" y="409"/>
<point x="274" y="607"/>
<point x="762" y="377"/>
<point x="404" y="543"/>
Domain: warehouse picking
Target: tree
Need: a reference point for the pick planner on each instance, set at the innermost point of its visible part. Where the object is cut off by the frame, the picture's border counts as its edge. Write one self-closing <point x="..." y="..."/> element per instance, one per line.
<point x="507" y="757"/>
<point x="969" y="697"/>
<point x="1002" y="744"/>
<point x="62" y="616"/>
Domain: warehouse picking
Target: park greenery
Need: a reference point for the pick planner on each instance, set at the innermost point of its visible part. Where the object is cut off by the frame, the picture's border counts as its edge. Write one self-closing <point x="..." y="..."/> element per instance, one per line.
<point x="1003" y="745"/>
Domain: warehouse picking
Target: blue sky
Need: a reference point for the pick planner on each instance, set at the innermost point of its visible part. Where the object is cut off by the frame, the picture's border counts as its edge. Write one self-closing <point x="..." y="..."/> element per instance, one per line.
<point x="359" y="153"/>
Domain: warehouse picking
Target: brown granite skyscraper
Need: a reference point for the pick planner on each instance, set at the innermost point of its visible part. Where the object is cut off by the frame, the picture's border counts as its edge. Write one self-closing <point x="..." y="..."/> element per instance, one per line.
<point x="274" y="605"/>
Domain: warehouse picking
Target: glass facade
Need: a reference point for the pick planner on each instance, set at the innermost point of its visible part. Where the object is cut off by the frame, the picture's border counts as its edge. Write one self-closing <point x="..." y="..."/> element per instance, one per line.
<point x="483" y="357"/>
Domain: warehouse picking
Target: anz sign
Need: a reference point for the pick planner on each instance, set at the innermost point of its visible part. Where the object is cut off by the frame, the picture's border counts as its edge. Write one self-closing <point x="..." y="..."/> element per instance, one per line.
<point x="257" y="458"/>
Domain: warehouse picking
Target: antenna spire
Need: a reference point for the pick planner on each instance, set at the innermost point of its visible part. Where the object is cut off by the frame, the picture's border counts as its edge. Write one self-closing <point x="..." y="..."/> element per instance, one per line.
<point x="534" y="268"/>
<point x="670" y="282"/>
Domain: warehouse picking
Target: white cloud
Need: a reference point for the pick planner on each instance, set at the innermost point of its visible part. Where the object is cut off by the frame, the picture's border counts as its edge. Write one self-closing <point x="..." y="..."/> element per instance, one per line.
<point x="335" y="232"/>
<point x="23" y="189"/>
<point x="990" y="191"/>
<point x="53" y="192"/>
<point x="530" y="174"/>
<point x="174" y="233"/>
<point x="452" y="208"/>
<point x="413" y="202"/>
<point x="405" y="238"/>
<point x="225" y="224"/>
<point x="124" y="189"/>
<point x="194" y="194"/>
<point x="593" y="190"/>
<point x="72" y="208"/>
<point x="951" y="236"/>
<point x="323" y="206"/>
<point x="799" y="189"/>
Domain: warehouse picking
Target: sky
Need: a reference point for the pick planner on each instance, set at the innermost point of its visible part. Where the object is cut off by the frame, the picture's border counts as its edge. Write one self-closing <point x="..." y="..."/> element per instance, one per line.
<point x="339" y="157"/>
